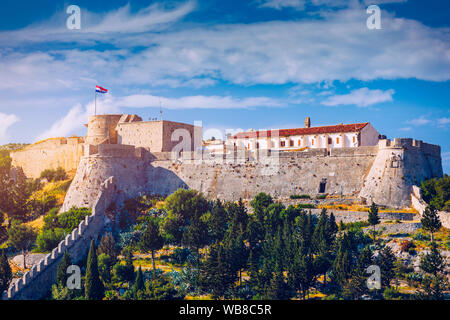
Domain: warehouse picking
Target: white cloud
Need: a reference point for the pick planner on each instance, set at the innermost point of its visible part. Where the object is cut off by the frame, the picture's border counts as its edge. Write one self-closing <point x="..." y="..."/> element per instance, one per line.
<point x="443" y="121"/>
<point x="76" y="117"/>
<point x="419" y="121"/>
<point x="369" y="2"/>
<point x="101" y="27"/>
<point x="445" y="157"/>
<point x="199" y="102"/>
<point x="361" y="97"/>
<point x="337" y="47"/>
<point x="6" y="120"/>
<point x="280" y="4"/>
<point x="123" y="21"/>
<point x="405" y="129"/>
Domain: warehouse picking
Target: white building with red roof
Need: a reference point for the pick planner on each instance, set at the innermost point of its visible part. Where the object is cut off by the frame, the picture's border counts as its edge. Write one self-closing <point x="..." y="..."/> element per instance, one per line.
<point x="336" y="136"/>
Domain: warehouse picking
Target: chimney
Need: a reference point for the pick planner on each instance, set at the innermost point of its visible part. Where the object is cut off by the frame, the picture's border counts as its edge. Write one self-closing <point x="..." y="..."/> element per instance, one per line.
<point x="307" y="122"/>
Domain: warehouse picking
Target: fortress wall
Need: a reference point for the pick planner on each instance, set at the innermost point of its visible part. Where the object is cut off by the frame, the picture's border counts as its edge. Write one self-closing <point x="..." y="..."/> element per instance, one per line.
<point x="49" y="154"/>
<point x="419" y="204"/>
<point x="141" y="134"/>
<point x="102" y="129"/>
<point x="93" y="170"/>
<point x="291" y="173"/>
<point x="169" y="128"/>
<point x="398" y="166"/>
<point x="384" y="174"/>
<point x="37" y="282"/>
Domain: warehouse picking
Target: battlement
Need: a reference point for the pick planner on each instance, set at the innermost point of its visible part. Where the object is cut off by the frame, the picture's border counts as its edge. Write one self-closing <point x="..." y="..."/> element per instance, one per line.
<point x="76" y="243"/>
<point x="408" y="143"/>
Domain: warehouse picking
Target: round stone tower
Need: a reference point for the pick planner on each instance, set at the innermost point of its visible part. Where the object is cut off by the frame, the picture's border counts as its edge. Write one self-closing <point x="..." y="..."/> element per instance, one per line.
<point x="102" y="129"/>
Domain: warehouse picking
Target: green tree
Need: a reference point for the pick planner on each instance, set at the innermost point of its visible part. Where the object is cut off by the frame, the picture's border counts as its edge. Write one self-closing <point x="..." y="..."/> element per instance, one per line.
<point x="432" y="262"/>
<point x="5" y="272"/>
<point x="386" y="261"/>
<point x="21" y="237"/>
<point x="61" y="273"/>
<point x="373" y="217"/>
<point x="430" y="220"/>
<point x="260" y="204"/>
<point x="94" y="287"/>
<point x="139" y="281"/>
<point x="152" y="240"/>
<point x="108" y="246"/>
<point x="218" y="221"/>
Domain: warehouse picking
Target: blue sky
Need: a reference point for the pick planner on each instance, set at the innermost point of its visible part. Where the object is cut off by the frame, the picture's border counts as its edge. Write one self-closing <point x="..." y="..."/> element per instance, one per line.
<point x="230" y="64"/>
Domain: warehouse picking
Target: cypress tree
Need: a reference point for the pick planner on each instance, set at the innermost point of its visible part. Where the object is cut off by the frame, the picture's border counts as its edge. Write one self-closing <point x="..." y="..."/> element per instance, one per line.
<point x="430" y="220"/>
<point x="139" y="282"/>
<point x="5" y="272"/>
<point x="373" y="217"/>
<point x="61" y="275"/>
<point x="94" y="287"/>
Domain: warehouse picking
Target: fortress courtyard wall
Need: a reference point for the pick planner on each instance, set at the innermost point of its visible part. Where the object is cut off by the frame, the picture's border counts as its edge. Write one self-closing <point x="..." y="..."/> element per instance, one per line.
<point x="49" y="154"/>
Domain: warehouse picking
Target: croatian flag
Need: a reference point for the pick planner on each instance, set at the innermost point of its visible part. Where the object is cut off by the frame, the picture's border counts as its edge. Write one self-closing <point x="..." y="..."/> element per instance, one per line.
<point x="100" y="89"/>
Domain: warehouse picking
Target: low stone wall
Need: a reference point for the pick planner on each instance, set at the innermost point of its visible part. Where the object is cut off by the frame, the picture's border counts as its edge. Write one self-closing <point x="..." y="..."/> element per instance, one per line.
<point x="419" y="204"/>
<point x="37" y="282"/>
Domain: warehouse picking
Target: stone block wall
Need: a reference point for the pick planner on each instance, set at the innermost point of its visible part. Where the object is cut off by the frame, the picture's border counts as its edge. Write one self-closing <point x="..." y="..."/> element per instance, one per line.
<point x="419" y="204"/>
<point x="37" y="282"/>
<point x="49" y="154"/>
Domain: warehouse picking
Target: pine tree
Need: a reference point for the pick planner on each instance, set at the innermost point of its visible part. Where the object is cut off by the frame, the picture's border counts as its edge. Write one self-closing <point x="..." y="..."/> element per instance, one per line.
<point x="386" y="261"/>
<point x="218" y="221"/>
<point x="94" y="287"/>
<point x="5" y="272"/>
<point x="432" y="262"/>
<point x="108" y="246"/>
<point x="342" y="264"/>
<point x="430" y="220"/>
<point x="61" y="275"/>
<point x="152" y="240"/>
<point x="277" y="289"/>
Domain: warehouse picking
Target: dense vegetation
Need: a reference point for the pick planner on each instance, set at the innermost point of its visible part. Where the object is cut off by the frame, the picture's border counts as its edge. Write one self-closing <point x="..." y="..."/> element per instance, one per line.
<point x="220" y="251"/>
<point x="436" y="192"/>
<point x="186" y="246"/>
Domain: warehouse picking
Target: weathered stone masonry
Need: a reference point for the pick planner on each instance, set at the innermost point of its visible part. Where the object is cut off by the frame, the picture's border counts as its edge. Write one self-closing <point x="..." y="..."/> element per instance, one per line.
<point x="37" y="282"/>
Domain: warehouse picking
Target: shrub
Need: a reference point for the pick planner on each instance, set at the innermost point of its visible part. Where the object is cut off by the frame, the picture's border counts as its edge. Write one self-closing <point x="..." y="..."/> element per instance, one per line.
<point x="54" y="175"/>
<point x="306" y="206"/>
<point x="69" y="220"/>
<point x="180" y="255"/>
<point x="123" y="273"/>
<point x="392" y="294"/>
<point x="48" y="174"/>
<point x="321" y="196"/>
<point x="406" y="245"/>
<point x="300" y="196"/>
<point x="421" y="237"/>
<point x="49" y="239"/>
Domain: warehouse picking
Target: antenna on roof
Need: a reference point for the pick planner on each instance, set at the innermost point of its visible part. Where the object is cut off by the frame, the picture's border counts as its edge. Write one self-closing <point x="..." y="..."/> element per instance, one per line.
<point x="160" y="109"/>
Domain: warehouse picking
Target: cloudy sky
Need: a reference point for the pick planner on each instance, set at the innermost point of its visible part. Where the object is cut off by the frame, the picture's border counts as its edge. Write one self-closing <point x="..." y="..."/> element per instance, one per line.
<point x="230" y="64"/>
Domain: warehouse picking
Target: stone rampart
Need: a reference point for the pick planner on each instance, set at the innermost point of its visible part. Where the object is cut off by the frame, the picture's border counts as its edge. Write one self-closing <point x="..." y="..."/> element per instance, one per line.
<point x="419" y="204"/>
<point x="49" y="154"/>
<point x="37" y="282"/>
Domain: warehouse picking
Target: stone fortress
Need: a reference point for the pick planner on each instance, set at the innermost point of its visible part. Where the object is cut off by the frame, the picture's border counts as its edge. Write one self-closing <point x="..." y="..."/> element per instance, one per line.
<point x="124" y="157"/>
<point x="350" y="160"/>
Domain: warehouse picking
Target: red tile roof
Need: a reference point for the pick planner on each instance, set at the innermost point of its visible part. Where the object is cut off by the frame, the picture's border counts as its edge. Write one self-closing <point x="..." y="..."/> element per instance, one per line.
<point x="340" y="128"/>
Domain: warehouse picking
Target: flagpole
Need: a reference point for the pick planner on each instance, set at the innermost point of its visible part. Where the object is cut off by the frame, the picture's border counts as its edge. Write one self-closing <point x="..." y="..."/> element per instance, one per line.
<point x="95" y="99"/>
